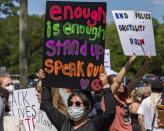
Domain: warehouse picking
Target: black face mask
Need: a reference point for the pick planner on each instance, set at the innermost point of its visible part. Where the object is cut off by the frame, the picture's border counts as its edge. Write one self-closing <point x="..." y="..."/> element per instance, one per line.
<point x="7" y="109"/>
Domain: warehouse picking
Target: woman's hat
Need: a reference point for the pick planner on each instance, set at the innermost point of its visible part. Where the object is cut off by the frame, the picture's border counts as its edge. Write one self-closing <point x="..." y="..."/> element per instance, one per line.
<point x="156" y="85"/>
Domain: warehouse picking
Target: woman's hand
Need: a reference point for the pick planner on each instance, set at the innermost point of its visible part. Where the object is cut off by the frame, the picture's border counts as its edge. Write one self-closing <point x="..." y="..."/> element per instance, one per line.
<point x="103" y="78"/>
<point x="149" y="56"/>
<point x="160" y="124"/>
<point x="41" y="74"/>
<point x="132" y="58"/>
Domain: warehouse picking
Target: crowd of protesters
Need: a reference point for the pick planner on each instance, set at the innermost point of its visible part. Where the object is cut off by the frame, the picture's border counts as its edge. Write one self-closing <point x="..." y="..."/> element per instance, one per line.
<point x="117" y="107"/>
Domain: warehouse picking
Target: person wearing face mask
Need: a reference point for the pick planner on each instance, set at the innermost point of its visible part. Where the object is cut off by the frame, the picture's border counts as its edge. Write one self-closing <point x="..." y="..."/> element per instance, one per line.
<point x="79" y="106"/>
<point x="10" y="123"/>
<point x="6" y="82"/>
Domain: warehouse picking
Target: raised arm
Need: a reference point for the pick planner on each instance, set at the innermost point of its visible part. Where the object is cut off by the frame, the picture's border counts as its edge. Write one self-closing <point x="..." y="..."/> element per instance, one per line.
<point x="133" y="83"/>
<point x="116" y="84"/>
<point x="56" y="117"/>
<point x="105" y="120"/>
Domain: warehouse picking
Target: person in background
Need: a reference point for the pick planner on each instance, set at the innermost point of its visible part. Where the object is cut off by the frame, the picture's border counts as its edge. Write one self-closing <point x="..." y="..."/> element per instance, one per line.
<point x="96" y="110"/>
<point x="145" y="92"/>
<point x="138" y="96"/>
<point x="6" y="82"/>
<point x="122" y="121"/>
<point x="79" y="106"/>
<point x="147" y="110"/>
<point x="147" y="83"/>
<point x="130" y="98"/>
<point x="40" y="126"/>
<point x="133" y="109"/>
<point x="10" y="123"/>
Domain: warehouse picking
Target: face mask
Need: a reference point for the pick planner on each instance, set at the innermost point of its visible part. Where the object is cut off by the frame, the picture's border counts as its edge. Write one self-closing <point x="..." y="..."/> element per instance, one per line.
<point x="11" y="88"/>
<point x="76" y="113"/>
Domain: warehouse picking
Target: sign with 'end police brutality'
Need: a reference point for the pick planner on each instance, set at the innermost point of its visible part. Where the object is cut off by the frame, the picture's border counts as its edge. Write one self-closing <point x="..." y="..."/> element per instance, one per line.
<point x="135" y="31"/>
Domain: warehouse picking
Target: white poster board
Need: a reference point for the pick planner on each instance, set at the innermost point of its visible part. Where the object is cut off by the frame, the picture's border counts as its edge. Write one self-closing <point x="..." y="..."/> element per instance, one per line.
<point x="107" y="66"/>
<point x="107" y="59"/>
<point x="43" y="123"/>
<point x="24" y="105"/>
<point x="135" y="31"/>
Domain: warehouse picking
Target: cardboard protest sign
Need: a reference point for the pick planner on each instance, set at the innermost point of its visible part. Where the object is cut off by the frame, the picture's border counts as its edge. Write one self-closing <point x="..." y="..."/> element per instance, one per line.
<point x="135" y="31"/>
<point x="43" y="123"/>
<point x="24" y="105"/>
<point x="74" y="39"/>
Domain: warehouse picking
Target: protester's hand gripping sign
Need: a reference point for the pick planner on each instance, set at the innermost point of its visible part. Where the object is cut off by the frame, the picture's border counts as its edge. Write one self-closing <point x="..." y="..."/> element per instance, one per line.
<point x="74" y="41"/>
<point x="135" y="31"/>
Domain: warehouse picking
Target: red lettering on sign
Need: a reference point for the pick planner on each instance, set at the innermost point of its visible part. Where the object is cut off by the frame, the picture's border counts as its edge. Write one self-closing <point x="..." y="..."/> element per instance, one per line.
<point x="55" y="10"/>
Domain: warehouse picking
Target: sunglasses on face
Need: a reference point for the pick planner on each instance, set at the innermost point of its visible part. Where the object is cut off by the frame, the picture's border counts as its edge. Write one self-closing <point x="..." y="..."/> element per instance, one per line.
<point x="8" y="84"/>
<point x="77" y="103"/>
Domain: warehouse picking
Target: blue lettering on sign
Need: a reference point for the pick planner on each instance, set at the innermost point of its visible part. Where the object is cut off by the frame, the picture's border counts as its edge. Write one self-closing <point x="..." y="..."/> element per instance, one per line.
<point x="121" y="15"/>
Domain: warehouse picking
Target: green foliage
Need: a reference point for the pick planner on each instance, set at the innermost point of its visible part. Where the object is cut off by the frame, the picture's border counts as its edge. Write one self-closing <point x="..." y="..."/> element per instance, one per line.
<point x="9" y="46"/>
<point x="8" y="7"/>
<point x="35" y="43"/>
<point x="113" y="43"/>
<point x="9" y="43"/>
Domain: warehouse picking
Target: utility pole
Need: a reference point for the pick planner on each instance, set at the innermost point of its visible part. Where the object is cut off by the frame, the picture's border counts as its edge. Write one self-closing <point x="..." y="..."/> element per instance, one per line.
<point x="23" y="44"/>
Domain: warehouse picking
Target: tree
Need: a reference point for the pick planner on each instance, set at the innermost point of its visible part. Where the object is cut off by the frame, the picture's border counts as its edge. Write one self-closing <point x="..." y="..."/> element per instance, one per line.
<point x="35" y="43"/>
<point x="9" y="42"/>
<point x="23" y="44"/>
<point x="8" y="7"/>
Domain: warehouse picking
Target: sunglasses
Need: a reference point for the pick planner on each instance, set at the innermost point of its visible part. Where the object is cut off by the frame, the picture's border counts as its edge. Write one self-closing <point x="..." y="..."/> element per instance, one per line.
<point x="77" y="103"/>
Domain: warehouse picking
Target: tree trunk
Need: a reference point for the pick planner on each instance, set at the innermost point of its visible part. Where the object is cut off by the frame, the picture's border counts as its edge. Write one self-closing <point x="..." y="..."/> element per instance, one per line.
<point x="23" y="44"/>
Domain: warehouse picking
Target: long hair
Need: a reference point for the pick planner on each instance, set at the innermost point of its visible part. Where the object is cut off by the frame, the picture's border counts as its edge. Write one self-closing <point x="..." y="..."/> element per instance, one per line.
<point x="110" y="78"/>
<point x="2" y="77"/>
<point x="4" y="93"/>
<point x="154" y="97"/>
<point x="58" y="101"/>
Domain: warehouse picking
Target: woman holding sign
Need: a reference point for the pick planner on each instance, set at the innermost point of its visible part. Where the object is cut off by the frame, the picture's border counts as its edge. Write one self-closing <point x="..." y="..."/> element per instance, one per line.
<point x="122" y="121"/>
<point x="10" y="123"/>
<point x="79" y="106"/>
